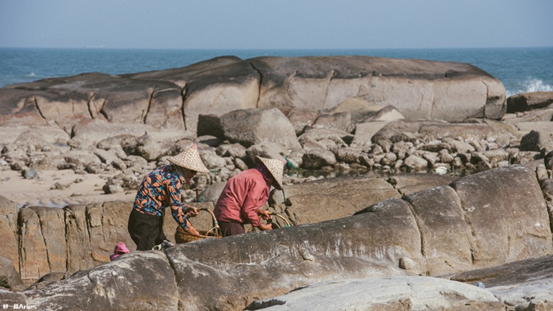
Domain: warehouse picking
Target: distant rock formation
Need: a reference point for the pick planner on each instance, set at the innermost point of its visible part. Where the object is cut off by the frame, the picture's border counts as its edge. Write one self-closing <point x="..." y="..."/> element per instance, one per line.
<point x="174" y="98"/>
<point x="529" y="101"/>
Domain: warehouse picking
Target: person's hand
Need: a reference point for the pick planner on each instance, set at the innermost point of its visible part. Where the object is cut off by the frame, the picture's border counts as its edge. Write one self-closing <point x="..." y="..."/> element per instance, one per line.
<point x="265" y="214"/>
<point x="191" y="211"/>
<point x="266" y="227"/>
<point x="192" y="231"/>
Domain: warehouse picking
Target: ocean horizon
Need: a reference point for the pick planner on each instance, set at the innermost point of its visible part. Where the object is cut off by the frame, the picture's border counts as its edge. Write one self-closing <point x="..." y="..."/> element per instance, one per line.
<point x="519" y="69"/>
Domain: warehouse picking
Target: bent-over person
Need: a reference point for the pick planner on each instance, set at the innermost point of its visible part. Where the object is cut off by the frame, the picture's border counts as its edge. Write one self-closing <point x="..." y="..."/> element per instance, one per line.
<point x="159" y="190"/>
<point x="244" y="195"/>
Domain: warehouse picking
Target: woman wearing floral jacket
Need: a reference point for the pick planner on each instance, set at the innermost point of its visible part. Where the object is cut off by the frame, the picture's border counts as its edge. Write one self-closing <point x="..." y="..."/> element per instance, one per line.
<point x="159" y="190"/>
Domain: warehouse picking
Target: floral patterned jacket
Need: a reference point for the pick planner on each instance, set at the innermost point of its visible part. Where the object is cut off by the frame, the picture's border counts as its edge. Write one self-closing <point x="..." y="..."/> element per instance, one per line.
<point x="161" y="189"/>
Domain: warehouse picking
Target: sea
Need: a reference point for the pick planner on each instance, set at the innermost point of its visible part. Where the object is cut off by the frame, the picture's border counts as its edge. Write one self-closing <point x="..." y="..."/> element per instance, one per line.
<point x="519" y="69"/>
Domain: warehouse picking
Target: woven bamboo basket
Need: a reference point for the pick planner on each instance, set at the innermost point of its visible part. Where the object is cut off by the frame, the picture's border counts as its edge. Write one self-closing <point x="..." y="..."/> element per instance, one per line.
<point x="182" y="236"/>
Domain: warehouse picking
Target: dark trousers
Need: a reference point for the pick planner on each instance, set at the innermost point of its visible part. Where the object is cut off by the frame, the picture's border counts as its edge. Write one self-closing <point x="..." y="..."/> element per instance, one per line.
<point x="231" y="228"/>
<point x="146" y="230"/>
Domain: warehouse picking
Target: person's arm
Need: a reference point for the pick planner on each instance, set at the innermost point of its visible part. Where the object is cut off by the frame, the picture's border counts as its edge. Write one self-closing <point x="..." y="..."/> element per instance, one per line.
<point x="255" y="198"/>
<point x="179" y="209"/>
<point x="191" y="230"/>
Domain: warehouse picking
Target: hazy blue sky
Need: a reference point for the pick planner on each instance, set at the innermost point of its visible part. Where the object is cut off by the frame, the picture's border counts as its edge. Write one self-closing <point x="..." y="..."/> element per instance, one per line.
<point x="276" y="24"/>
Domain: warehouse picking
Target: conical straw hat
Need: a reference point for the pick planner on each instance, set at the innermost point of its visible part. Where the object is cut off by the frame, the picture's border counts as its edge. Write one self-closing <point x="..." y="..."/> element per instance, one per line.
<point x="275" y="167"/>
<point x="189" y="159"/>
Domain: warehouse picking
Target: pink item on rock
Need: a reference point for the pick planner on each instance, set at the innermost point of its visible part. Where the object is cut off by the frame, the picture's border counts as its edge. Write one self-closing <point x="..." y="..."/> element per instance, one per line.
<point x="120" y="249"/>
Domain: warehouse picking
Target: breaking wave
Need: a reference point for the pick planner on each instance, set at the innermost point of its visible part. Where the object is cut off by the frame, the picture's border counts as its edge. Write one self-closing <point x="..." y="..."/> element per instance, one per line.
<point x="531" y="85"/>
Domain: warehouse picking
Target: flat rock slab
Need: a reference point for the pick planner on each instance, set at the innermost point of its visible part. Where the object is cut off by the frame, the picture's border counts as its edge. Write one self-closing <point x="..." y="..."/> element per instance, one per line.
<point x="394" y="293"/>
<point x="519" y="283"/>
<point x="334" y="198"/>
<point x="411" y="183"/>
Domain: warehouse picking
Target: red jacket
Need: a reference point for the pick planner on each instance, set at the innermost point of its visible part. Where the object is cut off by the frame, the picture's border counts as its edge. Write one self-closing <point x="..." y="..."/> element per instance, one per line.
<point x="242" y="197"/>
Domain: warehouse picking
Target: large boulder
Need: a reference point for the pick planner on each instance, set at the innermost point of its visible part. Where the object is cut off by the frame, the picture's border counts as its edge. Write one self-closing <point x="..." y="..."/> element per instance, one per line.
<point x="493" y="224"/>
<point x="529" y="101"/>
<point x="478" y="221"/>
<point x="42" y="243"/>
<point x="42" y="240"/>
<point x="417" y="88"/>
<point x="438" y="210"/>
<point x="221" y="90"/>
<point x="68" y="239"/>
<point x="114" y="286"/>
<point x="236" y="269"/>
<point x="507" y="215"/>
<point x="333" y="198"/>
<point x="173" y="99"/>
<point x="252" y="126"/>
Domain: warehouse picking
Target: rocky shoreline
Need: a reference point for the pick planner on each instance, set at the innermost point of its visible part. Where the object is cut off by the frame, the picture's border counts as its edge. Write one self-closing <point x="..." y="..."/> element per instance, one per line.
<point x="83" y="143"/>
<point x="116" y="164"/>
<point x="433" y="240"/>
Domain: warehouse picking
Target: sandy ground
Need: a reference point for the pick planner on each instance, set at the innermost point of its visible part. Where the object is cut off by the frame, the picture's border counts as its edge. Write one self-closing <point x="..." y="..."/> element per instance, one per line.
<point x="57" y="189"/>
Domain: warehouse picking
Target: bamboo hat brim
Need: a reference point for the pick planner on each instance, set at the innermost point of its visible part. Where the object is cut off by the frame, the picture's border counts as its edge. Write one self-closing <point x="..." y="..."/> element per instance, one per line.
<point x="189" y="159"/>
<point x="275" y="167"/>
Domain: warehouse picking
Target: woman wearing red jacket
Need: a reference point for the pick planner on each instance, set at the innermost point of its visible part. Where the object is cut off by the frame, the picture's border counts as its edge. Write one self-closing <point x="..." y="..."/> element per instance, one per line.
<point x="245" y="193"/>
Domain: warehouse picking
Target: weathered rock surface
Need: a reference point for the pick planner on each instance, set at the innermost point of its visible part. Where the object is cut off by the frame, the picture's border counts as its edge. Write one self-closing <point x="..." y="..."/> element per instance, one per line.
<point x="9" y="277"/>
<point x="519" y="285"/>
<point x="437" y="231"/>
<point x="529" y="101"/>
<point x="9" y="229"/>
<point x="416" y="88"/>
<point x="65" y="240"/>
<point x="491" y="207"/>
<point x="174" y="98"/>
<point x="254" y="126"/>
<point x="478" y="212"/>
<point x="346" y="114"/>
<point x="328" y="199"/>
<point x="525" y="284"/>
<point x="114" y="286"/>
<point x="77" y="237"/>
<point x="393" y="293"/>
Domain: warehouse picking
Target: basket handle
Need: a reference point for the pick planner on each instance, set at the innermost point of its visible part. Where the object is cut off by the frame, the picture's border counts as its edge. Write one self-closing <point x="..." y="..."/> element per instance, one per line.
<point x="215" y="229"/>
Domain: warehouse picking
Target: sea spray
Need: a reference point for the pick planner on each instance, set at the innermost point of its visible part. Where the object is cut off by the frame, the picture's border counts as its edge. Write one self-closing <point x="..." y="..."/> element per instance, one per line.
<point x="530" y="85"/>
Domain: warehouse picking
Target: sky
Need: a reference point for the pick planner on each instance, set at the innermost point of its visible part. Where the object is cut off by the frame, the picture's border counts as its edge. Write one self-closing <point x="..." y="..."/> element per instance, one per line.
<point x="276" y="24"/>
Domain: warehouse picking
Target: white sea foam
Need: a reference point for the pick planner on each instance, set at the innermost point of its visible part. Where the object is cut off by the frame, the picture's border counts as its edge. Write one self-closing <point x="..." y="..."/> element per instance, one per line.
<point x="532" y="85"/>
<point x="31" y="75"/>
